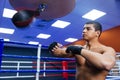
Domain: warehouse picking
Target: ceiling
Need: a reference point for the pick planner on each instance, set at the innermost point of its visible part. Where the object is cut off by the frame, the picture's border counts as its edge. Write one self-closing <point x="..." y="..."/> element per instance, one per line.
<point x="74" y="30"/>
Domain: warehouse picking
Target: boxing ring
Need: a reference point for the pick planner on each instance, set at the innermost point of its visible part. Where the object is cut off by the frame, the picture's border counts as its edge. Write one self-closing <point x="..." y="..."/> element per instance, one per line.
<point x="38" y="67"/>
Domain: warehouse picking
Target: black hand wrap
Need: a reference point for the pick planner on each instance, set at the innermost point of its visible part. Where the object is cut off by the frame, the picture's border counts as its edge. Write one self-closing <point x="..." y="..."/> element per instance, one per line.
<point x="52" y="45"/>
<point x="74" y="49"/>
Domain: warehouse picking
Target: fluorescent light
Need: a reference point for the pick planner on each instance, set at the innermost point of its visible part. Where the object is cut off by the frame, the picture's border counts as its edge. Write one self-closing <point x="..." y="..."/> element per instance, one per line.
<point x="43" y="36"/>
<point x="61" y="24"/>
<point x="71" y="40"/>
<point x="6" y="30"/>
<point x="8" y="13"/>
<point x="94" y="14"/>
<point x="33" y="42"/>
<point x="6" y="39"/>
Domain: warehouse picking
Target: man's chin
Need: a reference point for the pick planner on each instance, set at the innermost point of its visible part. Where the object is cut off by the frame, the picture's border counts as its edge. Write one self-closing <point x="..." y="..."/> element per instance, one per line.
<point x="85" y="39"/>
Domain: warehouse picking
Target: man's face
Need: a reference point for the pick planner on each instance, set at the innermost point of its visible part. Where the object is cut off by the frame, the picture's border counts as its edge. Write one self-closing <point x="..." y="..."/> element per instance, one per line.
<point x="89" y="32"/>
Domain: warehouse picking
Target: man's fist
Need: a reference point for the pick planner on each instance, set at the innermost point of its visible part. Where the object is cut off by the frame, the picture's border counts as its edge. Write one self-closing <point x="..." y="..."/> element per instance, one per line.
<point x="52" y="45"/>
<point x="74" y="49"/>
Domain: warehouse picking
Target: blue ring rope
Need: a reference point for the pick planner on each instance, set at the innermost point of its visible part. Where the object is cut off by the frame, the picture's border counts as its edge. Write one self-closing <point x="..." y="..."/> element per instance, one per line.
<point x="42" y="58"/>
<point x="19" y="43"/>
<point x="34" y="71"/>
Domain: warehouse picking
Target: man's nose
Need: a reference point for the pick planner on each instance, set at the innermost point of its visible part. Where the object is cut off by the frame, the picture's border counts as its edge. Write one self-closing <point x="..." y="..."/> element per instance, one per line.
<point x="84" y="30"/>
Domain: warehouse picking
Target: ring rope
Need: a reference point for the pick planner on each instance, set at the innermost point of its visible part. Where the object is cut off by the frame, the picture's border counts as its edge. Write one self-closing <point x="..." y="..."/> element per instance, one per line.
<point x="31" y="76"/>
<point x="43" y="58"/>
<point x="34" y="71"/>
<point x="19" y="43"/>
<point x="35" y="67"/>
<point x="28" y="62"/>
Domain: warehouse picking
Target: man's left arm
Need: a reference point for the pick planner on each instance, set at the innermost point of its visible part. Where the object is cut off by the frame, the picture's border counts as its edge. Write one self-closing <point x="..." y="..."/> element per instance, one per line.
<point x="103" y="61"/>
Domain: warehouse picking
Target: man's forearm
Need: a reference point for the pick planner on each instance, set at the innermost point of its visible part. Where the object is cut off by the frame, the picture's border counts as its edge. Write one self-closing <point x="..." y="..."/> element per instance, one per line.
<point x="64" y="54"/>
<point x="96" y="59"/>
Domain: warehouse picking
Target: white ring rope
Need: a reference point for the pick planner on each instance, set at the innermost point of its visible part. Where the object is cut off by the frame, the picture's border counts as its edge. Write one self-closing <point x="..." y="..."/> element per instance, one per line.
<point x="7" y="77"/>
<point x="32" y="76"/>
<point x="17" y="66"/>
<point x="17" y="61"/>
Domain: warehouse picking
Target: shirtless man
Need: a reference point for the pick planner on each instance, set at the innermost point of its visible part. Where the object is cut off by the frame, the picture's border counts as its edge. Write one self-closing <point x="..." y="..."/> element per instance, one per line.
<point x="93" y="60"/>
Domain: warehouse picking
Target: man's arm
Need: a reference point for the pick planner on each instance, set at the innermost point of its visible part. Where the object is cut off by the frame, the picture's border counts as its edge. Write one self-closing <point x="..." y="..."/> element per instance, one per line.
<point x="103" y="61"/>
<point x="106" y="60"/>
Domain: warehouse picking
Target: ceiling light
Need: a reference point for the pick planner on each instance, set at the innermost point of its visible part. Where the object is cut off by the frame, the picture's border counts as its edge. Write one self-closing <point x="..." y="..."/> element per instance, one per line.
<point x="6" y="39"/>
<point x="94" y="14"/>
<point x="8" y="13"/>
<point x="43" y="36"/>
<point x="71" y="40"/>
<point x="61" y="24"/>
<point x="33" y="42"/>
<point x="6" y="31"/>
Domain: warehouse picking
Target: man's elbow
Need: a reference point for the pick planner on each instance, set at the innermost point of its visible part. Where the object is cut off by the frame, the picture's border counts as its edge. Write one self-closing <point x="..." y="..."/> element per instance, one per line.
<point x="109" y="65"/>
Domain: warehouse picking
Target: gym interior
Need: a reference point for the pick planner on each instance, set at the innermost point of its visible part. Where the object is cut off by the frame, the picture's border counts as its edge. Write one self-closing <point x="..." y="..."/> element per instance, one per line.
<point x="28" y="27"/>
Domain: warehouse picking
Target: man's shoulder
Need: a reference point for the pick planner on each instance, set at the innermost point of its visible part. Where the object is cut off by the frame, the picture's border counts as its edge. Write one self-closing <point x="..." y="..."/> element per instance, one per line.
<point x="107" y="48"/>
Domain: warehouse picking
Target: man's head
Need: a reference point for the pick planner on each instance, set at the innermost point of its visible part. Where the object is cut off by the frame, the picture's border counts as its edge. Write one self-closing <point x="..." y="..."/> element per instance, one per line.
<point x="92" y="29"/>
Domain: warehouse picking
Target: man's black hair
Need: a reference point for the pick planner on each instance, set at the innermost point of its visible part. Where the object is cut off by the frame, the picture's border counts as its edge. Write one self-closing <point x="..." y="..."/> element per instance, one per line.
<point x="97" y="26"/>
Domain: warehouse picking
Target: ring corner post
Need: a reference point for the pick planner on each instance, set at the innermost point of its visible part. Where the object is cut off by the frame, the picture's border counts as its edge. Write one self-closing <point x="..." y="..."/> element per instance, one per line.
<point x="1" y="51"/>
<point x="38" y="61"/>
<point x="65" y="67"/>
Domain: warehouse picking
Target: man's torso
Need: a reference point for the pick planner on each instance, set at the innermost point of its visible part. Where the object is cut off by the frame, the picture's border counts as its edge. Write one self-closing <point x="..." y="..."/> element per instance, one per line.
<point x="86" y="71"/>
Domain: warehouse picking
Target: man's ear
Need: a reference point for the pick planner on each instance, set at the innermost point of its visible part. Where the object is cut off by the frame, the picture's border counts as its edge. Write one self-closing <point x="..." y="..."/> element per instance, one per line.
<point x="98" y="33"/>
